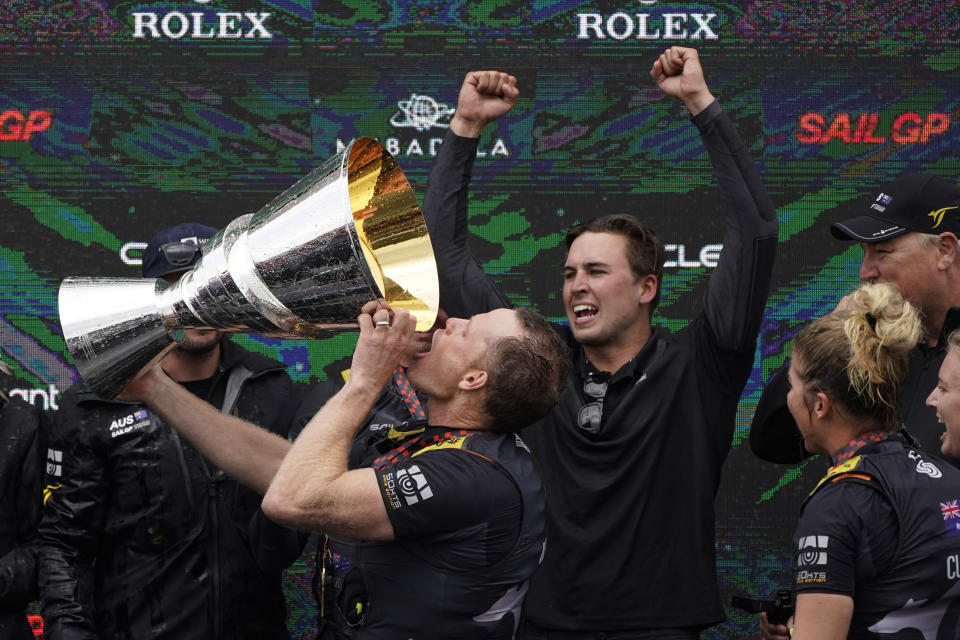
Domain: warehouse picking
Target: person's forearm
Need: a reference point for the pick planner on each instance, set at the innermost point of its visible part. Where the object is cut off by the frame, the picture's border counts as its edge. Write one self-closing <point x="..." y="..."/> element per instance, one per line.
<point x="697" y="102"/>
<point x="300" y="495"/>
<point x="244" y="451"/>
<point x="464" y="289"/>
<point x="822" y="616"/>
<point x="738" y="287"/>
<point x="446" y="199"/>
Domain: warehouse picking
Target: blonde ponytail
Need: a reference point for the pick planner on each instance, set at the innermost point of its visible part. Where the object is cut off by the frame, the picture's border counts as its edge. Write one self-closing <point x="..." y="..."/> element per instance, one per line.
<point x="859" y="355"/>
<point x="882" y="328"/>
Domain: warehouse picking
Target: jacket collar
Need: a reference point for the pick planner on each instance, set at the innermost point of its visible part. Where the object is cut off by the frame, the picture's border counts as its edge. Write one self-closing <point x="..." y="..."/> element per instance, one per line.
<point x="635" y="367"/>
<point x="950" y="324"/>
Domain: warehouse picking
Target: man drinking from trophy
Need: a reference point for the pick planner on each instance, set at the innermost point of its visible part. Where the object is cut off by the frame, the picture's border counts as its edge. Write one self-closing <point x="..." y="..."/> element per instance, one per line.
<point x="439" y="536"/>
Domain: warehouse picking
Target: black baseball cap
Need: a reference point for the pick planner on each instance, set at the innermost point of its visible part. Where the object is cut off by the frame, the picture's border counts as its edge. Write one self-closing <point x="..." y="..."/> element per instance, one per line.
<point x="913" y="202"/>
<point x="175" y="249"/>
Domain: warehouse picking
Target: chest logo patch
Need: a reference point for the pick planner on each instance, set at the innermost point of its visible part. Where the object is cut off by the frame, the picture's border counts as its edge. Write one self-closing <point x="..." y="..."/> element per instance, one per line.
<point x="128" y="423"/>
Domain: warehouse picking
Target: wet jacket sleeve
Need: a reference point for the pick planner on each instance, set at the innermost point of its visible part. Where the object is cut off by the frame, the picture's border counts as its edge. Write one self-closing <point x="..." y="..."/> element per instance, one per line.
<point x="76" y="490"/>
<point x="21" y="473"/>
<point x="465" y="290"/>
<point x="274" y="546"/>
<point x="738" y="288"/>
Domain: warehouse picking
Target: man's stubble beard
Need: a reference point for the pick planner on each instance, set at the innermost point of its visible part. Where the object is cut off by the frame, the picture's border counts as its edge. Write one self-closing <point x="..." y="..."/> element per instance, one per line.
<point x="194" y="345"/>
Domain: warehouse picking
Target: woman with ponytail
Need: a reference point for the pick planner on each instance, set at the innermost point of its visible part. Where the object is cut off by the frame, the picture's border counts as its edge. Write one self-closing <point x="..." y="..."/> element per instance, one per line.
<point x="877" y="535"/>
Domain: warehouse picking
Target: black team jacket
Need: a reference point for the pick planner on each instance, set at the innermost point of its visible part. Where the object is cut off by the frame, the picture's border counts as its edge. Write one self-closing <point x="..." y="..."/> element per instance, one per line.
<point x="142" y="537"/>
<point x="22" y="428"/>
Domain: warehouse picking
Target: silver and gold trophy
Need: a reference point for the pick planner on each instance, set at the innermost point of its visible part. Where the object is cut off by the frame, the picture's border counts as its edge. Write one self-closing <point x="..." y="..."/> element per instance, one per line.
<point x="300" y="267"/>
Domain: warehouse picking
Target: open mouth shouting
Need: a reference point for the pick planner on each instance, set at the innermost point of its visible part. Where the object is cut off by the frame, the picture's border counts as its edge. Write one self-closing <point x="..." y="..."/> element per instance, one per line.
<point x="584" y="313"/>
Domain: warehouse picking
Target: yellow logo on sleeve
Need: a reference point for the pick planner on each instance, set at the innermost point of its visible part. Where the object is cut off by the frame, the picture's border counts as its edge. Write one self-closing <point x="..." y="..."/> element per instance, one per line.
<point x="48" y="491"/>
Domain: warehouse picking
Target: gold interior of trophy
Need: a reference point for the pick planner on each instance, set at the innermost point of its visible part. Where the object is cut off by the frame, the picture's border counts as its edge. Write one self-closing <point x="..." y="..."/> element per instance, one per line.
<point x="392" y="232"/>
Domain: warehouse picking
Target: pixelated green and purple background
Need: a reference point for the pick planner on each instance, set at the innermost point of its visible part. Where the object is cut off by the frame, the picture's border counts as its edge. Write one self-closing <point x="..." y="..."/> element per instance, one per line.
<point x="148" y="132"/>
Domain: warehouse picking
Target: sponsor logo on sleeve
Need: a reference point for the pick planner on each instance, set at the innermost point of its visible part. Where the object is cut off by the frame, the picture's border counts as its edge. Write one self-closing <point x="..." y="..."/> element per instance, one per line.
<point x="54" y="463"/>
<point x="390" y="490"/>
<point x="520" y="443"/>
<point x="811" y="558"/>
<point x="813" y="550"/>
<point x="48" y="491"/>
<point x="413" y="485"/>
<point x="46" y="398"/>
<point x="929" y="469"/>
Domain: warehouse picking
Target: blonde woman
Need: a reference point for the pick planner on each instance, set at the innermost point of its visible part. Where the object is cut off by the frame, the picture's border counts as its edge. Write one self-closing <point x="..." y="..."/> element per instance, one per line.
<point x="876" y="536"/>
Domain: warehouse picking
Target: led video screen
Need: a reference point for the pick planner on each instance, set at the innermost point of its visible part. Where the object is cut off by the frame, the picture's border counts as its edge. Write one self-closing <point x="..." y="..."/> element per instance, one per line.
<point x="119" y="118"/>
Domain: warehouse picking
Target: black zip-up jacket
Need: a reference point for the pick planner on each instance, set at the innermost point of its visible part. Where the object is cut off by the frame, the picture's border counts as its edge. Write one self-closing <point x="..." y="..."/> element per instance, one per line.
<point x="22" y="427"/>
<point x="630" y="537"/>
<point x="775" y="437"/>
<point x="141" y="537"/>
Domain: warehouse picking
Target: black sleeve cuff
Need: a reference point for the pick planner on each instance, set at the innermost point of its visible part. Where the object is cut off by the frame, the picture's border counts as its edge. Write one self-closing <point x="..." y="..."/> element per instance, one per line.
<point x="774" y="435"/>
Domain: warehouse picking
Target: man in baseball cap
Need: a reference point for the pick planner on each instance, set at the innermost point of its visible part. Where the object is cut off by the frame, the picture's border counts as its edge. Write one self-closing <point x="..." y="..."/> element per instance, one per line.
<point x="171" y="534"/>
<point x="914" y="202"/>
<point x="908" y="233"/>
<point x="175" y="249"/>
<point x="909" y="237"/>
